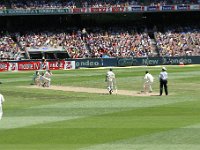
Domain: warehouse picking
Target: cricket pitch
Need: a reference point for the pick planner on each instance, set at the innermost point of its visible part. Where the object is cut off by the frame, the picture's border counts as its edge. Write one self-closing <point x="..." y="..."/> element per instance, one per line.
<point x="95" y="90"/>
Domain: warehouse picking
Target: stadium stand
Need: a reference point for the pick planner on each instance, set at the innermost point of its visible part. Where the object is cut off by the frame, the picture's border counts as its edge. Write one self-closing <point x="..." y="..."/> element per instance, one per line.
<point x="101" y="43"/>
<point x="44" y="4"/>
<point x="121" y="37"/>
<point x="9" y="49"/>
<point x="56" y="4"/>
<point x="180" y="41"/>
<point x="115" y="42"/>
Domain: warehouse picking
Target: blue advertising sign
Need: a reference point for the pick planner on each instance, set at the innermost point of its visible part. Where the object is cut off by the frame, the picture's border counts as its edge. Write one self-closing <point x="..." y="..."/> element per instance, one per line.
<point x="183" y="7"/>
<point x="87" y="63"/>
<point x="109" y="62"/>
<point x="152" y="8"/>
<point x="167" y="7"/>
<point x="136" y="8"/>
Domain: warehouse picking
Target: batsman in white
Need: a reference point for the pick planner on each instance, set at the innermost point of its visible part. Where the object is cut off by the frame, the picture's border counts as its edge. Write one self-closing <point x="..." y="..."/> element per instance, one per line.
<point x="111" y="81"/>
<point x="1" y="105"/>
<point x="44" y="81"/>
<point x="148" y="81"/>
<point x="48" y="75"/>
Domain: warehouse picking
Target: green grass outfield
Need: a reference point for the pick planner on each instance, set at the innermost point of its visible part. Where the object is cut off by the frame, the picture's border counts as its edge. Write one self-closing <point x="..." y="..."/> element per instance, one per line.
<point x="37" y="119"/>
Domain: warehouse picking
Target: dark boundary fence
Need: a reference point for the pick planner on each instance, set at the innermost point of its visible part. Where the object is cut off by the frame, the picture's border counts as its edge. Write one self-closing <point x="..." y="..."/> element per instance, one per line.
<point x="132" y="61"/>
<point x="24" y="65"/>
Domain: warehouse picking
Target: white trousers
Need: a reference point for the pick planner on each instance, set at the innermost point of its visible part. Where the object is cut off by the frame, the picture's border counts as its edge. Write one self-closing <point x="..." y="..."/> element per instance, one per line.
<point x="111" y="84"/>
<point x="147" y="86"/>
<point x="45" y="80"/>
<point x="1" y="112"/>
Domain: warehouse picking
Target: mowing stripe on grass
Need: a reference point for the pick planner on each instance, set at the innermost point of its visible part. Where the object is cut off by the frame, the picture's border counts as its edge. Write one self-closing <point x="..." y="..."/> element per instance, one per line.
<point x="182" y="139"/>
<point x="106" y="107"/>
<point x="145" y="147"/>
<point x="117" y="103"/>
<point x="18" y="122"/>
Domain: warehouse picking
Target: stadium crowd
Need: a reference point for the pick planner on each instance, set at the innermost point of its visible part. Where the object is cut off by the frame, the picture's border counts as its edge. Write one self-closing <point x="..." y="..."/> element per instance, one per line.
<point x="8" y="48"/>
<point x="36" y="40"/>
<point x="181" y="41"/>
<point x="2" y="6"/>
<point x="71" y="42"/>
<point x="118" y="42"/>
<point x="106" y="43"/>
<point x="97" y="43"/>
<point x="44" y="4"/>
<point x="58" y="4"/>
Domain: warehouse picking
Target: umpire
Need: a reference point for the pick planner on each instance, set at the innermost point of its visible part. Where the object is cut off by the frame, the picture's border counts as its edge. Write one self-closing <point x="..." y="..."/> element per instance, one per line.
<point x="163" y="81"/>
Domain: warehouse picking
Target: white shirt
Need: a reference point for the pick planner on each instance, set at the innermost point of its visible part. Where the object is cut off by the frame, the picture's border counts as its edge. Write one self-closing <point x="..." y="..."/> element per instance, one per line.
<point x="1" y="99"/>
<point x="148" y="77"/>
<point x="163" y="75"/>
<point x="110" y="76"/>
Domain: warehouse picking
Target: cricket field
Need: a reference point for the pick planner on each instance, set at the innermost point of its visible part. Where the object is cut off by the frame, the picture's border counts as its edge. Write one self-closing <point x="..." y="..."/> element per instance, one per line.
<point x="55" y="119"/>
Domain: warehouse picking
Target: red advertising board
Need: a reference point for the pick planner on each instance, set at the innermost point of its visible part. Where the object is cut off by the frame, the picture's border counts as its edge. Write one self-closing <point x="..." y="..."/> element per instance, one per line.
<point x="76" y="10"/>
<point x="4" y="66"/>
<point x="30" y="65"/>
<point x="36" y="65"/>
<point x="119" y="9"/>
<point x="97" y="10"/>
<point x="56" y="65"/>
<point x="79" y="10"/>
<point x="83" y="10"/>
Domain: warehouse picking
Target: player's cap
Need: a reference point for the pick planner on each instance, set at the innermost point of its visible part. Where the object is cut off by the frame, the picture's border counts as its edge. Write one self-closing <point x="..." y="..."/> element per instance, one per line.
<point x="110" y="69"/>
<point x="163" y="68"/>
<point x="146" y="71"/>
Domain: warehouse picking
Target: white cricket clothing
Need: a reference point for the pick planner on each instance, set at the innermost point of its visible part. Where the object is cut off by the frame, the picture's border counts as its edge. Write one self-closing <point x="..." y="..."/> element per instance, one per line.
<point x="148" y="82"/>
<point x="148" y="77"/>
<point x="1" y="102"/>
<point x="110" y="76"/>
<point x="44" y="79"/>
<point x="163" y="75"/>
<point x="47" y="74"/>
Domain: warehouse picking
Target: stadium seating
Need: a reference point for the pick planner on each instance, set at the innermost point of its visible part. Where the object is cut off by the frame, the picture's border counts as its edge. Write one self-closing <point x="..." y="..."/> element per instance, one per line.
<point x="9" y="50"/>
<point x="105" y="43"/>
<point x="180" y="41"/>
<point x="50" y="4"/>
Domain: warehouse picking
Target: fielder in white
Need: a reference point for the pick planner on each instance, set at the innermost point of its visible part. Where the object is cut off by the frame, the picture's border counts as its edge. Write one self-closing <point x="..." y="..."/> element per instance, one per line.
<point x="1" y="104"/>
<point x="111" y="81"/>
<point x="148" y="81"/>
